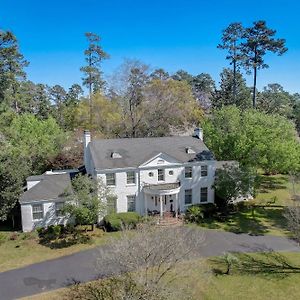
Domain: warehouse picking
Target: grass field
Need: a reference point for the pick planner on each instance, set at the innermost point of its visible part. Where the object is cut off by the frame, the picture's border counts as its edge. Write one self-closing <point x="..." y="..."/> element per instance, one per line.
<point x="278" y="186"/>
<point x="229" y="287"/>
<point x="276" y="189"/>
<point x="21" y="249"/>
<point x="261" y="221"/>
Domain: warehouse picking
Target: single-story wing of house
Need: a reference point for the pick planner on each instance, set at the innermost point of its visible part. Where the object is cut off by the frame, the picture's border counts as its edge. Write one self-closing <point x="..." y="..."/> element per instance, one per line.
<point x="41" y="204"/>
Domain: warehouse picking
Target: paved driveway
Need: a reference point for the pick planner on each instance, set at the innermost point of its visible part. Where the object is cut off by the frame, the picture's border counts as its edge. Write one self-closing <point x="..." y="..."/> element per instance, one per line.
<point x="57" y="273"/>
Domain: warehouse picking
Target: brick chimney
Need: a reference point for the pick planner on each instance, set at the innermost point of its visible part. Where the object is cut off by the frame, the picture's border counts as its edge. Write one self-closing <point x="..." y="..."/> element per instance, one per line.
<point x="86" y="141"/>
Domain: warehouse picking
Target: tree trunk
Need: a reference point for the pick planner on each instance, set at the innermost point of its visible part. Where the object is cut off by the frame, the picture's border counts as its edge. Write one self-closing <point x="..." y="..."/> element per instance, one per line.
<point x="254" y="88"/>
<point x="90" y="92"/>
<point x="13" y="221"/>
<point x="254" y="78"/>
<point x="234" y="75"/>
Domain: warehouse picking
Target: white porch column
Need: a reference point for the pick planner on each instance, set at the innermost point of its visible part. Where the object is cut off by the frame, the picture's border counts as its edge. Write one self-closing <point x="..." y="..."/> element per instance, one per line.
<point x="176" y="205"/>
<point x="161" y="206"/>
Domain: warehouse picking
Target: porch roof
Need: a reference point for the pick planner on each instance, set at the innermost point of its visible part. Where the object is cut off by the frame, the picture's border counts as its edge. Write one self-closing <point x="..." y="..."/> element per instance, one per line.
<point x="162" y="186"/>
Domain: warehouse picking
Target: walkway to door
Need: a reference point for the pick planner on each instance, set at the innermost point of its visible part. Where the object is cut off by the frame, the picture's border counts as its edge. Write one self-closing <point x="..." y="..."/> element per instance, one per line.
<point x="162" y="198"/>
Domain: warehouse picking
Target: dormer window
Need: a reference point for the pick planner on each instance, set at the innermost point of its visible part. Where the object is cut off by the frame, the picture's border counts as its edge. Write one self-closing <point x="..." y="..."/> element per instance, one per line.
<point x="189" y="150"/>
<point x="116" y="155"/>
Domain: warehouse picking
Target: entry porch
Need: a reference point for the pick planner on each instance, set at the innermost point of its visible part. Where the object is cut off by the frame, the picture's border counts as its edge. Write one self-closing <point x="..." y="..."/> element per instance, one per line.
<point x="162" y="199"/>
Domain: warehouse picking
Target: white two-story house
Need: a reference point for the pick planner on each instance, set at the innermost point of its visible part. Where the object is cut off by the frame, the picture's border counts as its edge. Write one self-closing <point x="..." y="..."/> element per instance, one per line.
<point x="153" y="175"/>
<point x="147" y="175"/>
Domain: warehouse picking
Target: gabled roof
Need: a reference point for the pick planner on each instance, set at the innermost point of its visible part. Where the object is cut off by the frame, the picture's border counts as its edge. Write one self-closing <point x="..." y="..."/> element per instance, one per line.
<point x="135" y="151"/>
<point x="50" y="187"/>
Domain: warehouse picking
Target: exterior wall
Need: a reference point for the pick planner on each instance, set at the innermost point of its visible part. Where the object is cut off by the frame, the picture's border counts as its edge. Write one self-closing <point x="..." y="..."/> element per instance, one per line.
<point x="122" y="190"/>
<point x="50" y="218"/>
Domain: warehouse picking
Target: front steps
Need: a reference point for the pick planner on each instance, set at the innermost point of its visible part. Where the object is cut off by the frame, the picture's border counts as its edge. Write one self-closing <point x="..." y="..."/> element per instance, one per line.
<point x="169" y="221"/>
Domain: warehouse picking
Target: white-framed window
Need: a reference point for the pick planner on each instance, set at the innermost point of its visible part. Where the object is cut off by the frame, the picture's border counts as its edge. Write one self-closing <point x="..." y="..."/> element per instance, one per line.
<point x="188" y="172"/>
<point x="203" y="194"/>
<point x="204" y="171"/>
<point x="150" y="174"/>
<point x="37" y="211"/>
<point x="131" y="203"/>
<point x="110" y="179"/>
<point x="161" y="174"/>
<point x="130" y="177"/>
<point x="188" y="197"/>
<point x="58" y="209"/>
<point x="111" y="205"/>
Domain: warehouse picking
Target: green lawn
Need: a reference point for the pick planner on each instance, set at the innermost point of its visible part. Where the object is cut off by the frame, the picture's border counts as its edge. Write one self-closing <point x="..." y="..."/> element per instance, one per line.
<point x="256" y="286"/>
<point x="267" y="220"/>
<point x="21" y="249"/>
<point x="278" y="186"/>
<point x="263" y="221"/>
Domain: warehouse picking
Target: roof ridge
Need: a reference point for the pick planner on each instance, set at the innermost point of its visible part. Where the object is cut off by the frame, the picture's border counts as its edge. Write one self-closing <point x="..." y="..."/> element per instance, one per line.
<point x="144" y="138"/>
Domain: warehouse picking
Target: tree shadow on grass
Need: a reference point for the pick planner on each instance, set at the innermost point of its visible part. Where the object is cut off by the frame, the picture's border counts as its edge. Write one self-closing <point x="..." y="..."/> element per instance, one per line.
<point x="271" y="183"/>
<point x="243" y="223"/>
<point x="264" y="264"/>
<point x="257" y="222"/>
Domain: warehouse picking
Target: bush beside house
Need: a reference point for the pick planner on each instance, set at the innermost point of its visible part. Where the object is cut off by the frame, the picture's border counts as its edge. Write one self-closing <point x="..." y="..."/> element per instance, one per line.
<point x="197" y="213"/>
<point x="118" y="221"/>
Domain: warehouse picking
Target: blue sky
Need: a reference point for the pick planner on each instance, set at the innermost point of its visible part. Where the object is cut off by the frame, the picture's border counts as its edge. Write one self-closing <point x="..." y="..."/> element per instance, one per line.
<point x="169" y="34"/>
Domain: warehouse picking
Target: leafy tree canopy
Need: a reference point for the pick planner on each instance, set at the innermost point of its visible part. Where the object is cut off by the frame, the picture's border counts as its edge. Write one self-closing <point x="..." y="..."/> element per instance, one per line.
<point x="253" y="138"/>
<point x="87" y="201"/>
<point x="226" y="95"/>
<point x="35" y="139"/>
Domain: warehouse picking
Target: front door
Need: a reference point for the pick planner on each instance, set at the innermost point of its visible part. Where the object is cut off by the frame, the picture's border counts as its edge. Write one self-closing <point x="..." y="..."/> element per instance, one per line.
<point x="168" y="203"/>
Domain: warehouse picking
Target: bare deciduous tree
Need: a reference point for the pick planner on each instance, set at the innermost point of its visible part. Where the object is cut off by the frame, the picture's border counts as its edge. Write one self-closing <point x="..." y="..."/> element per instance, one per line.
<point x="294" y="178"/>
<point x="152" y="258"/>
<point x="292" y="215"/>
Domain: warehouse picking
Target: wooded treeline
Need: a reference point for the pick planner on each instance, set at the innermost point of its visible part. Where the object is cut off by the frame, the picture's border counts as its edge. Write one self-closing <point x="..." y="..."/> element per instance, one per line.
<point x="41" y="125"/>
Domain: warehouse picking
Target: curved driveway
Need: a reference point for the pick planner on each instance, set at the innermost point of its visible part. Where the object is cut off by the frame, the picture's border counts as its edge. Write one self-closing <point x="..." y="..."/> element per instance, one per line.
<point x="81" y="266"/>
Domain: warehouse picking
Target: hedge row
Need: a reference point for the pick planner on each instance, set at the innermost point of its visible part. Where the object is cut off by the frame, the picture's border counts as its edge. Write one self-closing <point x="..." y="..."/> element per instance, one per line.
<point x="118" y="221"/>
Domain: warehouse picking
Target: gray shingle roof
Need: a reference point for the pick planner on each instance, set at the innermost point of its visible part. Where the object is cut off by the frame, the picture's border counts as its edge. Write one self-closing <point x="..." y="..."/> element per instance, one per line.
<point x="35" y="177"/>
<point x="136" y="151"/>
<point x="50" y="187"/>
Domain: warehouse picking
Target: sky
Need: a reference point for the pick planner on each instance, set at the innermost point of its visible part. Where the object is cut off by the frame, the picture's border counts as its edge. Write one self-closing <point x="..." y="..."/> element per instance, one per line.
<point x="168" y="34"/>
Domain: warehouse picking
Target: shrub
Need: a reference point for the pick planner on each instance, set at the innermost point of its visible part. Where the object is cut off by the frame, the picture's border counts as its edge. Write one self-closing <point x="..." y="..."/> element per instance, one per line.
<point x="118" y="221"/>
<point x="50" y="233"/>
<point x="196" y="213"/>
<point x="209" y="209"/>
